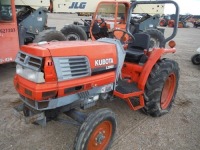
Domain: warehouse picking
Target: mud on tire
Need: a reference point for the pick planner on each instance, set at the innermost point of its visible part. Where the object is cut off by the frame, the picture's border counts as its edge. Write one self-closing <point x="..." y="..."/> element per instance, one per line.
<point x="161" y="85"/>
<point x="49" y="35"/>
<point x="97" y="132"/>
<point x="74" y="33"/>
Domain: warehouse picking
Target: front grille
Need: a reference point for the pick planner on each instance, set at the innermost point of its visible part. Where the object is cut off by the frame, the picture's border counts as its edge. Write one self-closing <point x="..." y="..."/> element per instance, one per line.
<point x="72" y="67"/>
<point x="29" y="61"/>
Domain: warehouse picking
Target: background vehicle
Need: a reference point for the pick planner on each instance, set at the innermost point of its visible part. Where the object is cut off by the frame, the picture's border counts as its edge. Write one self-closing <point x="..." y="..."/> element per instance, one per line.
<point x="196" y="24"/>
<point x="26" y="26"/>
<point x="111" y="15"/>
<point x="168" y="20"/>
<point x="65" y="76"/>
<point x="196" y="58"/>
<point x="81" y="6"/>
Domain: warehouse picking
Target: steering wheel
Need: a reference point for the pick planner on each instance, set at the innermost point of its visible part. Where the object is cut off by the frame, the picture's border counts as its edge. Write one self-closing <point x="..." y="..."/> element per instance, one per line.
<point x="131" y="37"/>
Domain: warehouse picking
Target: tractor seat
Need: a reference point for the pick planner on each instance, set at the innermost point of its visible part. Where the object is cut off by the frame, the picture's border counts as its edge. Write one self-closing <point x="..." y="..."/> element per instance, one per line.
<point x="135" y="51"/>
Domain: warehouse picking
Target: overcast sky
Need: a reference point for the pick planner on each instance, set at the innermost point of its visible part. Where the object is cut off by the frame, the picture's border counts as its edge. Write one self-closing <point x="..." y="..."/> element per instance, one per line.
<point x="186" y="6"/>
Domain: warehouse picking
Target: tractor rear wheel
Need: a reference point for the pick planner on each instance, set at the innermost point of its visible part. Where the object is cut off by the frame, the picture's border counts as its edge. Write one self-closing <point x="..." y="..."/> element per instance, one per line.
<point x="156" y="37"/>
<point x="196" y="59"/>
<point x="49" y="35"/>
<point x="74" y="33"/>
<point x="97" y="132"/>
<point x="161" y="88"/>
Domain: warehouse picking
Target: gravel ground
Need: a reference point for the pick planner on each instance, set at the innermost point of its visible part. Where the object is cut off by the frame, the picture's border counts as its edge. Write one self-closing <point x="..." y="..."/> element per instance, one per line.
<point x="178" y="130"/>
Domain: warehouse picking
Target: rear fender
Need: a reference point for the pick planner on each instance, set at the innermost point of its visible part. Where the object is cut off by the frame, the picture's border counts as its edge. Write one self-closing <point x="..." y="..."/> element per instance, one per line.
<point x="155" y="55"/>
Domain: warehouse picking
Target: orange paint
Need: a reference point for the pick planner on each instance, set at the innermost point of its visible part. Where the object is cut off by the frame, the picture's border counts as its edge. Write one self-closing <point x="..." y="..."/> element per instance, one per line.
<point x="9" y="39"/>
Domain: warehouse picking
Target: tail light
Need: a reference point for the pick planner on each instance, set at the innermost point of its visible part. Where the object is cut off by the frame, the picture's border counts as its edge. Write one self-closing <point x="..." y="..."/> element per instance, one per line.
<point x="172" y="44"/>
<point x="49" y="70"/>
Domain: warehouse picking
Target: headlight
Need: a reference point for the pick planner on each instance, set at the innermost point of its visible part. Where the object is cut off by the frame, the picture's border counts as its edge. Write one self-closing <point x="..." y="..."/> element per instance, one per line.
<point x="29" y="74"/>
<point x="19" y="69"/>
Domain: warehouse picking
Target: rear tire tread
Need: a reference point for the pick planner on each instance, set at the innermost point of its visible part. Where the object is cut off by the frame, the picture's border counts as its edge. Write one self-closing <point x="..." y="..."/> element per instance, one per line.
<point x="49" y="35"/>
<point x="156" y="34"/>
<point x="154" y="87"/>
<point x="69" y="29"/>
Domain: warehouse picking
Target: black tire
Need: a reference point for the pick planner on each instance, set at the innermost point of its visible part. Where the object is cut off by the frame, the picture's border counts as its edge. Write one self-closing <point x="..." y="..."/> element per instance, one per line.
<point x="156" y="37"/>
<point x="163" y="23"/>
<point x="196" y="59"/>
<point x="161" y="85"/>
<point x="74" y="33"/>
<point x="49" y="35"/>
<point x="85" y="136"/>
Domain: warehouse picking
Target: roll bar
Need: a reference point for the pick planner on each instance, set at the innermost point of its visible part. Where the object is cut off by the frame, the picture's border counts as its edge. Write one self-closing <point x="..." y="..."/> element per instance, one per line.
<point x="135" y="3"/>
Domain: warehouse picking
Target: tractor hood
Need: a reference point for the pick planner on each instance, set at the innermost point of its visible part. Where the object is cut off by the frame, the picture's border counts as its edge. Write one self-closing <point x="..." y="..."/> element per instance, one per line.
<point x="98" y="53"/>
<point x="35" y="50"/>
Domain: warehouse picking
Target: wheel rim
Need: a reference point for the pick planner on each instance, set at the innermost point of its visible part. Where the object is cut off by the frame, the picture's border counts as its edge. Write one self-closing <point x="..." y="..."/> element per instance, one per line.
<point x="72" y="37"/>
<point x="168" y="91"/>
<point x="154" y="43"/>
<point x="101" y="136"/>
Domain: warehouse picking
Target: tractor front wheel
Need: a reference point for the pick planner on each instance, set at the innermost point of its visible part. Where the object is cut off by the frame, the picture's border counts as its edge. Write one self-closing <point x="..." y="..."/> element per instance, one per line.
<point x="161" y="88"/>
<point x="97" y="132"/>
<point x="196" y="59"/>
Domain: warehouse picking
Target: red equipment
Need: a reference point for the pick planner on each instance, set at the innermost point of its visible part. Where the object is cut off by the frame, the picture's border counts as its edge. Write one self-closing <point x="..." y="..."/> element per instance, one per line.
<point x="60" y="77"/>
<point x="8" y="35"/>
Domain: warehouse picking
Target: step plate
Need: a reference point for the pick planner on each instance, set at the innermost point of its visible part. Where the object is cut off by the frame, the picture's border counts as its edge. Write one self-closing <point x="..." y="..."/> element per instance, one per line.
<point x="125" y="87"/>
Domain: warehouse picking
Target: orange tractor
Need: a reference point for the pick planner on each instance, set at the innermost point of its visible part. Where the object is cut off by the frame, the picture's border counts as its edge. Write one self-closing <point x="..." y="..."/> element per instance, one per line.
<point x="62" y="77"/>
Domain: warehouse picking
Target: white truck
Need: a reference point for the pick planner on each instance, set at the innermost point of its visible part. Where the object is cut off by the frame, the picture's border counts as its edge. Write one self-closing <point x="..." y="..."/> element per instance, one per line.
<point x="74" y="6"/>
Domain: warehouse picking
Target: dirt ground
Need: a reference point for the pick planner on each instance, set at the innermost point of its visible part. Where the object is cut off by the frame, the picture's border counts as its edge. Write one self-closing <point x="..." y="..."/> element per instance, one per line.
<point x="178" y="130"/>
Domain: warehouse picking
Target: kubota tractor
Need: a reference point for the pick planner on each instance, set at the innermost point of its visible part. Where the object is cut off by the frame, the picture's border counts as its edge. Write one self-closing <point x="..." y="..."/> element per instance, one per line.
<point x="62" y="77"/>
